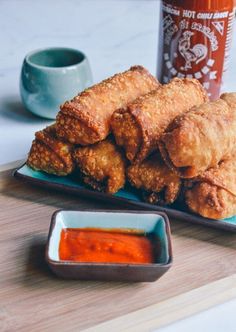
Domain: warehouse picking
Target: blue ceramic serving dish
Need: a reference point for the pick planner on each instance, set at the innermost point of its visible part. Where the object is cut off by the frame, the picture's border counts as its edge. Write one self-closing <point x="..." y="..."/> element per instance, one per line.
<point x="127" y="197"/>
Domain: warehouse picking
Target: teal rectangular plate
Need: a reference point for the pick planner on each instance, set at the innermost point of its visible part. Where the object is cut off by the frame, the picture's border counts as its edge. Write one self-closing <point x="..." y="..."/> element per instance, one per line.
<point x="127" y="197"/>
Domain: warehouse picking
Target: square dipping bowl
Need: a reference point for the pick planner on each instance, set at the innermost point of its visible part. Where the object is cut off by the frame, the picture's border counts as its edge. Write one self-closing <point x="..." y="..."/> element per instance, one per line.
<point x="141" y="221"/>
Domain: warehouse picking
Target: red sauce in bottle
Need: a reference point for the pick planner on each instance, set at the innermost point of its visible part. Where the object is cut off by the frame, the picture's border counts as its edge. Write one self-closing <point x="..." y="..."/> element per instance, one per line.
<point x="104" y="246"/>
<point x="195" y="41"/>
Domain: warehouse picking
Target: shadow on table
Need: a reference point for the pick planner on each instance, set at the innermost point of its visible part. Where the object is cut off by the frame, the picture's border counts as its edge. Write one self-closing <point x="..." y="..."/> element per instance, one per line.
<point x="12" y="108"/>
<point x="36" y="263"/>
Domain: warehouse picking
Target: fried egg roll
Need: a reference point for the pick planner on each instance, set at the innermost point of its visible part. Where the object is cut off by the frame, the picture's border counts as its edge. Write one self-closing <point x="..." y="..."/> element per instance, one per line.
<point x="86" y="119"/>
<point x="213" y="193"/>
<point x="50" y="154"/>
<point x="201" y="138"/>
<point x="138" y="127"/>
<point x="156" y="181"/>
<point x="102" y="166"/>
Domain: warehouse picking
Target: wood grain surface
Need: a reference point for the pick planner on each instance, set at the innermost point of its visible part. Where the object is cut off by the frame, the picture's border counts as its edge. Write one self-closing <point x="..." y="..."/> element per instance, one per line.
<point x="33" y="299"/>
<point x="169" y="311"/>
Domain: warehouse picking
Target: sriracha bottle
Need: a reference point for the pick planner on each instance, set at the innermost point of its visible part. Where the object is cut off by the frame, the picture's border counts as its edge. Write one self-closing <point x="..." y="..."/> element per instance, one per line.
<point x="195" y="38"/>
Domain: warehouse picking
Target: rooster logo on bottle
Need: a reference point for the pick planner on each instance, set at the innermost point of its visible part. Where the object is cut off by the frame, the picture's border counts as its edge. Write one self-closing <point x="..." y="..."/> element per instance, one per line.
<point x="190" y="54"/>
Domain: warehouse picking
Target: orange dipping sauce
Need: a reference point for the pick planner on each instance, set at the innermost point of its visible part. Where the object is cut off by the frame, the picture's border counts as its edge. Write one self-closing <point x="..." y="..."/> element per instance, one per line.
<point x="95" y="245"/>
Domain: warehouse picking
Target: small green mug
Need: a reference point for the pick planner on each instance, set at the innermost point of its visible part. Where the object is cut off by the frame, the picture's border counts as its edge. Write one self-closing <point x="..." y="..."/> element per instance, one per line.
<point x="51" y="76"/>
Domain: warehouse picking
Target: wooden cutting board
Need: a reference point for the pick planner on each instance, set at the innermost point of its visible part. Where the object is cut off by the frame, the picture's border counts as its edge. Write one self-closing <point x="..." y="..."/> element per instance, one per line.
<point x="33" y="299"/>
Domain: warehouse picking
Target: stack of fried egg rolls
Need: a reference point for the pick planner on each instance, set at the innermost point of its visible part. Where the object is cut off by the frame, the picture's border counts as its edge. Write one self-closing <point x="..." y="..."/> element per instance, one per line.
<point x="201" y="138"/>
<point x="159" y="185"/>
<point x="102" y="166"/>
<point x="167" y="141"/>
<point x="86" y="119"/>
<point x="138" y="127"/>
<point x="213" y="193"/>
<point x="50" y="154"/>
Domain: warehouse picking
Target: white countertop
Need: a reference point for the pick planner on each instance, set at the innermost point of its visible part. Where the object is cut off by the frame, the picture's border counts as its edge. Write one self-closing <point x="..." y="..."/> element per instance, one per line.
<point x="114" y="34"/>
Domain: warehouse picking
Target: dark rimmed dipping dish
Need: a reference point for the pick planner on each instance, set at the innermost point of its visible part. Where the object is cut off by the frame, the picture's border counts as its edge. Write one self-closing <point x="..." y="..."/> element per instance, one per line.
<point x="146" y="221"/>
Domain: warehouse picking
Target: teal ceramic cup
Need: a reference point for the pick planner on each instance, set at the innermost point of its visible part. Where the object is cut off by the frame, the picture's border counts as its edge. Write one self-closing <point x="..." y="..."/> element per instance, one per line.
<point x="51" y="76"/>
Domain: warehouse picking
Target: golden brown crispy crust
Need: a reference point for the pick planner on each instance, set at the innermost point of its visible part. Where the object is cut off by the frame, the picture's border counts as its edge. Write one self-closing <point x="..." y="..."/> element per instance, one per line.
<point x="86" y="118"/>
<point x="213" y="194"/>
<point x="102" y="166"/>
<point x="73" y="130"/>
<point x="158" y="183"/>
<point x="152" y="113"/>
<point x="49" y="154"/>
<point x="127" y="132"/>
<point x="201" y="138"/>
